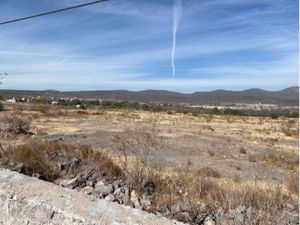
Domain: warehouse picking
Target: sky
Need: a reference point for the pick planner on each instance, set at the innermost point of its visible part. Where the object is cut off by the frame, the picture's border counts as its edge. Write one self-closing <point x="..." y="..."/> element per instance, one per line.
<point x="127" y="44"/>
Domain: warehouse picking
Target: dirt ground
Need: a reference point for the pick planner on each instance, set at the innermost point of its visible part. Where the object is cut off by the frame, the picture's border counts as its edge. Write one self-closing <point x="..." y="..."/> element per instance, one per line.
<point x="240" y="149"/>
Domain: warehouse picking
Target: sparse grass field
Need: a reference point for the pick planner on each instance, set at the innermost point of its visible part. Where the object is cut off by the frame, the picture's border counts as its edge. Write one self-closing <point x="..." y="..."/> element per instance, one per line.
<point x="202" y="160"/>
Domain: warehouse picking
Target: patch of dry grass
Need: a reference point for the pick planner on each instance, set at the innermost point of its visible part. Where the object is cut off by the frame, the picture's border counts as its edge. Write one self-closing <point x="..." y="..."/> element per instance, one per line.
<point x="55" y="160"/>
<point x="198" y="191"/>
<point x="292" y="183"/>
<point x="200" y="194"/>
<point x="14" y="125"/>
<point x="281" y="161"/>
<point x="208" y="172"/>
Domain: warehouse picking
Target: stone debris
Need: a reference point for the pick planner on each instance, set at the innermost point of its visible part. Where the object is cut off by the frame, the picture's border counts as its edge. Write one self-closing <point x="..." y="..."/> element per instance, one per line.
<point x="27" y="200"/>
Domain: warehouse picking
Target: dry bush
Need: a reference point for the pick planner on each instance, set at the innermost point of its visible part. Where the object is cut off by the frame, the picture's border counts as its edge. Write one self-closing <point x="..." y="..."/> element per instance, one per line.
<point x="54" y="160"/>
<point x="252" y="158"/>
<point x="14" y="125"/>
<point x="290" y="130"/>
<point x="208" y="172"/>
<point x="136" y="148"/>
<point x="281" y="161"/>
<point x="292" y="182"/>
<point x="49" y="110"/>
<point x="43" y="108"/>
<point x="211" y="153"/>
<point x="243" y="150"/>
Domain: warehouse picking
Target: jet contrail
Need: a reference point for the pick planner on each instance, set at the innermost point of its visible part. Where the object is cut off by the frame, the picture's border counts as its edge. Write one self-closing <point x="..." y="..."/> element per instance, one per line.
<point x="177" y="10"/>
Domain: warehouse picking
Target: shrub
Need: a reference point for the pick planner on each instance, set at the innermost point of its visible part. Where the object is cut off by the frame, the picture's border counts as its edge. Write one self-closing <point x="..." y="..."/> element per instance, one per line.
<point x="1" y="107"/>
<point x="216" y="111"/>
<point x="136" y="149"/>
<point x="234" y="112"/>
<point x="294" y="115"/>
<point x="252" y="158"/>
<point x="211" y="153"/>
<point x="274" y="116"/>
<point x="243" y="150"/>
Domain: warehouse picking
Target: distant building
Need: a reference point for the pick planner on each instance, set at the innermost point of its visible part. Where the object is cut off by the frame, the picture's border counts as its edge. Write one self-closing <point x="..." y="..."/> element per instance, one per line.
<point x="13" y="100"/>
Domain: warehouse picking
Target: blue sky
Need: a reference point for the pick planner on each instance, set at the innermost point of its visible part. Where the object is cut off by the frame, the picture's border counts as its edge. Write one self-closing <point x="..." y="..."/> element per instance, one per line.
<point x="126" y="44"/>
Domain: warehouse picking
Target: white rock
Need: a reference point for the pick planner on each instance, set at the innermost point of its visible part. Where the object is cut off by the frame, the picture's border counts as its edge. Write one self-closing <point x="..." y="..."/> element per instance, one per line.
<point x="46" y="203"/>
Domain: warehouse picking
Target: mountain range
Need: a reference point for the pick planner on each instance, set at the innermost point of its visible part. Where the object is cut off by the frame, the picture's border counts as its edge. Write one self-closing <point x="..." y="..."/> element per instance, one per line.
<point x="288" y="96"/>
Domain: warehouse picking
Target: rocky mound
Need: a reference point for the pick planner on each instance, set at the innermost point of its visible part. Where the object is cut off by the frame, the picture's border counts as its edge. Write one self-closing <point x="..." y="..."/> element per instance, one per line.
<point x="27" y="200"/>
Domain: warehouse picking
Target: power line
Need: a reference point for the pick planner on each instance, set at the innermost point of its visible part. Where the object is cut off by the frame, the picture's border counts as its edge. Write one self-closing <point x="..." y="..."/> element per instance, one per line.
<point x="52" y="12"/>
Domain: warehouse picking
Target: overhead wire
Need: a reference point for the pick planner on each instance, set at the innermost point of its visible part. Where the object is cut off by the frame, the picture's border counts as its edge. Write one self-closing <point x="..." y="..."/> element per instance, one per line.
<point x="52" y="12"/>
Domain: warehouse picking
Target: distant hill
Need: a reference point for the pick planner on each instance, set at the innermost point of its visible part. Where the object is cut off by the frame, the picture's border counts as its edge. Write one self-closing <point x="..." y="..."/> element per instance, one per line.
<point x="288" y="96"/>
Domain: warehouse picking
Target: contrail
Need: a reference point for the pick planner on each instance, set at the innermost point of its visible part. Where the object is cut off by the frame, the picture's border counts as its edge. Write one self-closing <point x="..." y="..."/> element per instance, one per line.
<point x="177" y="10"/>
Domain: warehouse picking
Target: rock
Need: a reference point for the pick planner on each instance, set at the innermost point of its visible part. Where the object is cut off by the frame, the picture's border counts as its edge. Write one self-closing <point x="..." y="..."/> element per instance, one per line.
<point x="99" y="184"/>
<point x="109" y="198"/>
<point x="146" y="204"/>
<point x="135" y="200"/>
<point x="219" y="212"/>
<point x="87" y="190"/>
<point x="121" y="192"/>
<point x="126" y="200"/>
<point x="238" y="215"/>
<point x="290" y="206"/>
<point x="103" y="191"/>
<point x="249" y="212"/>
<point x="209" y="221"/>
<point x="201" y="218"/>
<point x="183" y="217"/>
<point x="72" y="183"/>
<point x="27" y="200"/>
<point x="149" y="187"/>
<point x="89" y="183"/>
<point x="37" y="175"/>
<point x="175" y="208"/>
<point x="19" y="167"/>
<point x="179" y="208"/>
<point x="293" y="218"/>
<point x="116" y="184"/>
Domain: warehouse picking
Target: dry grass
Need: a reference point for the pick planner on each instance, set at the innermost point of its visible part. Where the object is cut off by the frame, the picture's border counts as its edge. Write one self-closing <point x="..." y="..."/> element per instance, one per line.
<point x="43" y="108"/>
<point x="290" y="128"/>
<point x="198" y="191"/>
<point x="208" y="172"/>
<point x="200" y="194"/>
<point x="54" y="160"/>
<point x="14" y="125"/>
<point x="281" y="161"/>
<point x="293" y="183"/>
